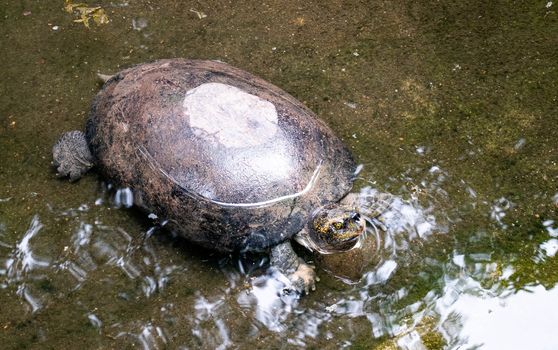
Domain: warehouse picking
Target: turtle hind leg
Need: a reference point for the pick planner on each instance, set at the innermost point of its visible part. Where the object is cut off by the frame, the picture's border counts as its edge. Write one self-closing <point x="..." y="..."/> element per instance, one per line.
<point x="71" y="155"/>
<point x="301" y="275"/>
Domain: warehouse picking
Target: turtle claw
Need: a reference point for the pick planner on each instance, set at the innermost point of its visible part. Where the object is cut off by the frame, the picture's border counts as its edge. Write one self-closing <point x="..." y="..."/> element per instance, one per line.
<point x="303" y="279"/>
<point x="75" y="175"/>
<point x="63" y="170"/>
<point x="299" y="277"/>
<point x="73" y="169"/>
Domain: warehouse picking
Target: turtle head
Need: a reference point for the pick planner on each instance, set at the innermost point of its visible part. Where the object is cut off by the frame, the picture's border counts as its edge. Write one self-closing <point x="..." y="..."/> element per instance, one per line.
<point x="336" y="228"/>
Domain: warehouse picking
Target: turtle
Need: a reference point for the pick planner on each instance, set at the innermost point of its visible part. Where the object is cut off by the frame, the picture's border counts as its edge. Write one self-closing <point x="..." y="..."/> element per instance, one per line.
<point x="228" y="160"/>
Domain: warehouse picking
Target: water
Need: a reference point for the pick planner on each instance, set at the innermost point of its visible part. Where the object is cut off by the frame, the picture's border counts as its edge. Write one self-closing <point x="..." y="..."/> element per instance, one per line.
<point x="449" y="106"/>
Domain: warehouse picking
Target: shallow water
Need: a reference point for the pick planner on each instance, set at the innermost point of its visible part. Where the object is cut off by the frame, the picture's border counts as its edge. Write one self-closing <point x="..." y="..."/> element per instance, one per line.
<point x="451" y="107"/>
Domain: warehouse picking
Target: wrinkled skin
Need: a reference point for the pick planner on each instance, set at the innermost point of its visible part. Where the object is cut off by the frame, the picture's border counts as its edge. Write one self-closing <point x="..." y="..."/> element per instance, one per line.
<point x="336" y="228"/>
<point x="71" y="155"/>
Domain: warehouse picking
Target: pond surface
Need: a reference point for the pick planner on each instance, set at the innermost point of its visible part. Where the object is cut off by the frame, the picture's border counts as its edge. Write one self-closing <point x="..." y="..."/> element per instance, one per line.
<point x="452" y="107"/>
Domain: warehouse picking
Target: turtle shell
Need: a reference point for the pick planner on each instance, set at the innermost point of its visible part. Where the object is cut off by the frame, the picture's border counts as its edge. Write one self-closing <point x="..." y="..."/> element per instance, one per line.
<point x="232" y="162"/>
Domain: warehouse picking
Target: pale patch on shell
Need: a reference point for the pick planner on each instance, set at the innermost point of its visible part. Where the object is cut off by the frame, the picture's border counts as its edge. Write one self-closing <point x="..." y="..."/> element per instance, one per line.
<point x="230" y="116"/>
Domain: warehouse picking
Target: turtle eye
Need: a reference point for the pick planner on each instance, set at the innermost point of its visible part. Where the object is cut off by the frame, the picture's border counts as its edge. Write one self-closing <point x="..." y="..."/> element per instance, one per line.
<point x="338" y="225"/>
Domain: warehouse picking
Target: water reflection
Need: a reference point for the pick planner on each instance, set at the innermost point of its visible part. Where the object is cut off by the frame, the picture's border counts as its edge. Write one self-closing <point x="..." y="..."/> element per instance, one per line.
<point x="499" y="209"/>
<point x="149" y="337"/>
<point x="247" y="302"/>
<point x="471" y="317"/>
<point x="250" y="292"/>
<point x="549" y="248"/>
<point x="211" y="311"/>
<point x="271" y="307"/>
<point x="552" y="231"/>
<point x="21" y="265"/>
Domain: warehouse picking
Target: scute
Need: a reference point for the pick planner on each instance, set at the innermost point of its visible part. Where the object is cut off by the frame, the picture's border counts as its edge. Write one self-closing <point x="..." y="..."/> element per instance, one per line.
<point x="227" y="115"/>
<point x="232" y="161"/>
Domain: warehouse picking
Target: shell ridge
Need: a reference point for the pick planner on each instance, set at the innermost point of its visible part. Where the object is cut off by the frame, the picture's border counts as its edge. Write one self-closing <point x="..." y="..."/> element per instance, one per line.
<point x="155" y="165"/>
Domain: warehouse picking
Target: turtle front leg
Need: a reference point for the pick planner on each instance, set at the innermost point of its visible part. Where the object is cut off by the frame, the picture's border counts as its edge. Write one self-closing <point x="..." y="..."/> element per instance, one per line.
<point x="71" y="155"/>
<point x="301" y="275"/>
